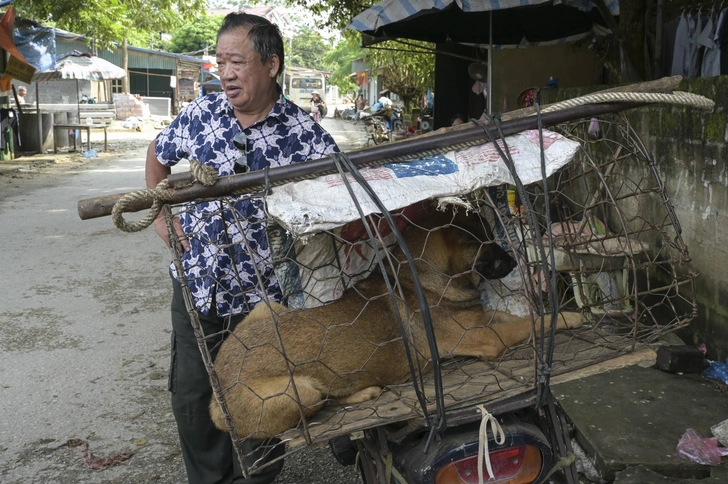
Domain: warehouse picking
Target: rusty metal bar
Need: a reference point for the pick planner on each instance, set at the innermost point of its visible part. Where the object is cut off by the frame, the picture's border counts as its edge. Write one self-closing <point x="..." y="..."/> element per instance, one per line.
<point x="254" y="181"/>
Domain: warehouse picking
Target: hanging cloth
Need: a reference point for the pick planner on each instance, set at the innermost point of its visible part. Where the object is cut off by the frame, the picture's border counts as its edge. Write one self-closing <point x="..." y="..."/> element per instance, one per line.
<point x="682" y="39"/>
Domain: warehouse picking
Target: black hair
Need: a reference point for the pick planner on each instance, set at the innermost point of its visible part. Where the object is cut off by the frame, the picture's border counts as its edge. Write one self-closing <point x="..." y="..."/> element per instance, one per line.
<point x="265" y="36"/>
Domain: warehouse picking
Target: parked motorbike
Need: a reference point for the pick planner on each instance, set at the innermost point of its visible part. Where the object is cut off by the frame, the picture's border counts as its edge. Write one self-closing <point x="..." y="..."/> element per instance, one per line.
<point x="87" y="100"/>
<point x="383" y="123"/>
<point x="348" y="113"/>
<point x="376" y="128"/>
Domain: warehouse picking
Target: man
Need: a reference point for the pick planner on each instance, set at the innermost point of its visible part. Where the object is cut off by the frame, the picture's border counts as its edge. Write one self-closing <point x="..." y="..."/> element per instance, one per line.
<point x="225" y="249"/>
<point x="22" y="91"/>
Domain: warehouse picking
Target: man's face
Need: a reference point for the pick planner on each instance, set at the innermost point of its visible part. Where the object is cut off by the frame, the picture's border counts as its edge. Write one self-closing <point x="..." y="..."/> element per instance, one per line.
<point x="246" y="81"/>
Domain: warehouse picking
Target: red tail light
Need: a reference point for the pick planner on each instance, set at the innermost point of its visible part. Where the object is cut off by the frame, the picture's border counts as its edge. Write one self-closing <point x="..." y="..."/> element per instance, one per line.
<point x="515" y="465"/>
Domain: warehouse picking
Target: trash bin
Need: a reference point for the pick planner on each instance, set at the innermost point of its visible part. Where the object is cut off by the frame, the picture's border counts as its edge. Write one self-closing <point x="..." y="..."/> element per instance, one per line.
<point x="31" y="141"/>
<point x="61" y="135"/>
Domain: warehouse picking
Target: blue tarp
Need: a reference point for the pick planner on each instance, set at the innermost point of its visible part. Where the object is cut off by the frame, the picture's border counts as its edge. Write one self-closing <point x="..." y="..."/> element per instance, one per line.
<point x="37" y="44"/>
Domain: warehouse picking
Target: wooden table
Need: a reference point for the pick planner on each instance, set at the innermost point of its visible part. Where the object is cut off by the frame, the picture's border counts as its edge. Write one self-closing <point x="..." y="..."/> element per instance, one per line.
<point x="81" y="127"/>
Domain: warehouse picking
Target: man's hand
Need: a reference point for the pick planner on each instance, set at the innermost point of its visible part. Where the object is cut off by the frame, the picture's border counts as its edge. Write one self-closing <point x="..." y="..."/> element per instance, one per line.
<point x="160" y="225"/>
<point x="154" y="173"/>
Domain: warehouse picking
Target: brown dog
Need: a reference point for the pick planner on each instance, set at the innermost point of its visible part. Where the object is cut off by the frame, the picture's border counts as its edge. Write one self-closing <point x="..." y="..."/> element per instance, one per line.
<point x="350" y="349"/>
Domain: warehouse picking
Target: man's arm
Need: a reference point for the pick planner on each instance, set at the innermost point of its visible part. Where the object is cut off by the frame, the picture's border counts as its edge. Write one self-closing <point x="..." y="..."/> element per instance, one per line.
<point x="154" y="173"/>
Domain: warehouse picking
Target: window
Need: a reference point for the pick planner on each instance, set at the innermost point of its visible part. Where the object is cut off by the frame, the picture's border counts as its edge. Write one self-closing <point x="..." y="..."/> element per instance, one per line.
<point x="116" y="86"/>
<point x="304" y="83"/>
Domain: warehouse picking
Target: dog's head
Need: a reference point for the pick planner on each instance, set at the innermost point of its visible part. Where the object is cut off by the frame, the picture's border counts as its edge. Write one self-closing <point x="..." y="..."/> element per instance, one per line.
<point x="455" y="251"/>
<point x="479" y="252"/>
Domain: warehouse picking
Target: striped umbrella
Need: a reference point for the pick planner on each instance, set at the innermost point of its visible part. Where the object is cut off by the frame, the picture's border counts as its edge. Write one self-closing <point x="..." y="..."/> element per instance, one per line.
<point x="516" y="23"/>
<point x="75" y="65"/>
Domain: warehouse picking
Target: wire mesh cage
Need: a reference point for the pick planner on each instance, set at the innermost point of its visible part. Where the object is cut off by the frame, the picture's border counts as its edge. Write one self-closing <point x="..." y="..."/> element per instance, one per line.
<point x="472" y="298"/>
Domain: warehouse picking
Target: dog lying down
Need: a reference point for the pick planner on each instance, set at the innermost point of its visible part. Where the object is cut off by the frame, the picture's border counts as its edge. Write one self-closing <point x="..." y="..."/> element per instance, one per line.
<point x="350" y="349"/>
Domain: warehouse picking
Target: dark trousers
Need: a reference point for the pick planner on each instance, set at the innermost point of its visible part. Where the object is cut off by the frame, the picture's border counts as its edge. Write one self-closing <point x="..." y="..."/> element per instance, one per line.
<point x="208" y="453"/>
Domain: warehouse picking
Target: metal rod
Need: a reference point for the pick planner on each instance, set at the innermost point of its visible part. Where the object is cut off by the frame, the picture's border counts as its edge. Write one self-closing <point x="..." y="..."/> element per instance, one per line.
<point x="256" y="180"/>
<point x="490" y="63"/>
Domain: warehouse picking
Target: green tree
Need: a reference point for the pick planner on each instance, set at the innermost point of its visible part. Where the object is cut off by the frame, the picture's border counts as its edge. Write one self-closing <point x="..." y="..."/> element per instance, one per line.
<point x="194" y="37"/>
<point x="113" y="21"/>
<point x="308" y="49"/>
<point x="408" y="70"/>
<point x="339" y="61"/>
<point x="335" y="14"/>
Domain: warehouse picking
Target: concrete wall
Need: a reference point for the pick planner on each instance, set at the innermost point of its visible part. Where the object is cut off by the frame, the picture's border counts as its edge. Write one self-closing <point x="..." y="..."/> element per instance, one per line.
<point x="691" y="151"/>
<point x="63" y="91"/>
<point x="517" y="69"/>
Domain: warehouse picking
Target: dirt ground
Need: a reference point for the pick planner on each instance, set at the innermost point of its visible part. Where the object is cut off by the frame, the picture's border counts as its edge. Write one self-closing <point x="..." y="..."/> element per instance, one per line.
<point x="84" y="331"/>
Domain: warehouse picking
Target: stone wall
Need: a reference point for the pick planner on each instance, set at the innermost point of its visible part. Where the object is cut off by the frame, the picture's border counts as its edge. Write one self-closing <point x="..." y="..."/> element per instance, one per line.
<point x="690" y="149"/>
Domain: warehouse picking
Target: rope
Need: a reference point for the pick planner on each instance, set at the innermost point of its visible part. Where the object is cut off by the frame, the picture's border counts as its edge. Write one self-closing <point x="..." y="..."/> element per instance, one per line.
<point x="157" y="197"/>
<point x="562" y="463"/>
<point x="678" y="97"/>
<point x="391" y="471"/>
<point x="498" y="435"/>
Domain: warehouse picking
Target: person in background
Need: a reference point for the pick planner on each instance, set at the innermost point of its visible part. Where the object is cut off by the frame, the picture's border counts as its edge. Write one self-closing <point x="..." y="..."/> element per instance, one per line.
<point x="22" y="91"/>
<point x="359" y="105"/>
<point x="251" y="116"/>
<point x="318" y="104"/>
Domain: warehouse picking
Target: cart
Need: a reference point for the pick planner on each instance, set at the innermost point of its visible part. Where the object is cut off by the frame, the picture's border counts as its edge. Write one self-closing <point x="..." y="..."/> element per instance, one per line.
<point x="589" y="226"/>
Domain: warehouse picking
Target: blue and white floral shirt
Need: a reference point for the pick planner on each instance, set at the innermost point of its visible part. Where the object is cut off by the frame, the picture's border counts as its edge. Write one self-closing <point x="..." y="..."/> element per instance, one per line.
<point x="221" y="265"/>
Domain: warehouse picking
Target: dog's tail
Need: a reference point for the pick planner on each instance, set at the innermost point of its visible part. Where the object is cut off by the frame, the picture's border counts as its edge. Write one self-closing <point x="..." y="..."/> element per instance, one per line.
<point x="266" y="408"/>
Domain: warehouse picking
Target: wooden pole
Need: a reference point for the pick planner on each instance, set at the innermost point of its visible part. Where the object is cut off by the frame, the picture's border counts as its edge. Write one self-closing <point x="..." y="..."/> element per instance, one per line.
<point x="374" y="156"/>
<point x="40" y="119"/>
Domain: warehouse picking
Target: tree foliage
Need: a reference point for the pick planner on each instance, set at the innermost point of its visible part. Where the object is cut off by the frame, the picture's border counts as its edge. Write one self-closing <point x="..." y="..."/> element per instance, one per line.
<point x="339" y="60"/>
<point x="193" y="37"/>
<point x="335" y="14"/>
<point x="307" y="49"/>
<point x="109" y="21"/>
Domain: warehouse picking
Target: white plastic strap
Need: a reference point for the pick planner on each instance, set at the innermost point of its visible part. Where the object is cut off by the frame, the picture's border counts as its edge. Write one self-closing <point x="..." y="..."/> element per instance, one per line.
<point x="483" y="453"/>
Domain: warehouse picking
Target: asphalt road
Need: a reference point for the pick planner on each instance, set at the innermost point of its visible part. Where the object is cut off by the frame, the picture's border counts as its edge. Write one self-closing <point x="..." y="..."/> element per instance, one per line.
<point x="84" y="330"/>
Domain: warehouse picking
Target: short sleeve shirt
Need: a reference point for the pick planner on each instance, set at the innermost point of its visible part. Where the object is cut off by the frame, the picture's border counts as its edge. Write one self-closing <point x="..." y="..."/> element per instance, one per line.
<point x="229" y="258"/>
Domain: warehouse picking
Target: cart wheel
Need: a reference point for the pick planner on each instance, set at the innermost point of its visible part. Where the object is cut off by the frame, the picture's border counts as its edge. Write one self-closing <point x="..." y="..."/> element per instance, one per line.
<point x="344" y="450"/>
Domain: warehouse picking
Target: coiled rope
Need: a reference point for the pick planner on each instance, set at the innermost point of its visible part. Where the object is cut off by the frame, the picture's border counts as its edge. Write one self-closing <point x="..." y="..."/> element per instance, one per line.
<point x="208" y="176"/>
<point x="157" y="196"/>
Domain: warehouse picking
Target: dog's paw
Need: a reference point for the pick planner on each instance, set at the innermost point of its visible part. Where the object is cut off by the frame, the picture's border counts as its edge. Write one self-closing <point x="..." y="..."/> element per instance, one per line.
<point x="569" y="320"/>
<point x="369" y="393"/>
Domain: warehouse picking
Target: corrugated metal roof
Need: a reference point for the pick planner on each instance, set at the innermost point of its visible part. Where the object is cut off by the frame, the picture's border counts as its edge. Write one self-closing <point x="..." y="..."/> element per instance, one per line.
<point x="139" y="57"/>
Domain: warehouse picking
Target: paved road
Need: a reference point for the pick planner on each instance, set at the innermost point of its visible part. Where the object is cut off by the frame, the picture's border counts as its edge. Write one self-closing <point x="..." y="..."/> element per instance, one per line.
<point x="84" y="329"/>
